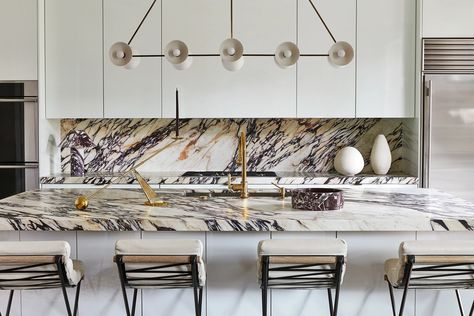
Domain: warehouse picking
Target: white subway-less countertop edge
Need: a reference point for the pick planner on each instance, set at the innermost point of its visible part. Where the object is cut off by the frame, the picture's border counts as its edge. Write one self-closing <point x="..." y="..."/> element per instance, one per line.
<point x="365" y="209"/>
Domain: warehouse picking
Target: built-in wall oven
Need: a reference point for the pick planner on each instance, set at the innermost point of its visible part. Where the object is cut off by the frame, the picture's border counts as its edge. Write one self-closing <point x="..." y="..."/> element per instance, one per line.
<point x="18" y="137"/>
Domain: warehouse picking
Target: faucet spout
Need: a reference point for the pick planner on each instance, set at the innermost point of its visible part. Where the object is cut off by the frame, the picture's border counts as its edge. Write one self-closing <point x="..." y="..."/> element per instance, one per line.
<point x="242" y="187"/>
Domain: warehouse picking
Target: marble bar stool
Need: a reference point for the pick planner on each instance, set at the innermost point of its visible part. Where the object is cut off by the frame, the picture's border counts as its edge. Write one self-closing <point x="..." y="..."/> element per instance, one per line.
<point x="39" y="265"/>
<point x="437" y="264"/>
<point x="302" y="264"/>
<point x="160" y="264"/>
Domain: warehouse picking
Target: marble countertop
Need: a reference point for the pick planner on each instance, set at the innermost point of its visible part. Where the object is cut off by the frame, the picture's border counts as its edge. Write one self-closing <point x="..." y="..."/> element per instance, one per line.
<point x="282" y="178"/>
<point x="365" y="209"/>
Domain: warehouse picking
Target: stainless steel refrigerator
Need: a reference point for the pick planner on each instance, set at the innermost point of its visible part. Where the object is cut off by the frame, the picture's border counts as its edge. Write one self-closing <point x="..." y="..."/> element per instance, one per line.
<point x="448" y="116"/>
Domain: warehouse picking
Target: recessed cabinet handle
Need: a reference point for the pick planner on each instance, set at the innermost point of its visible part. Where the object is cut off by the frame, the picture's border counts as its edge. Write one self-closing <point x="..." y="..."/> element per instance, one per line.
<point x="8" y="100"/>
<point x="427" y="110"/>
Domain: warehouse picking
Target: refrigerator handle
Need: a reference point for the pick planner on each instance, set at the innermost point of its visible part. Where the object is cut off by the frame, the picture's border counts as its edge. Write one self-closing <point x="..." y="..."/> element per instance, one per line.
<point x="427" y="111"/>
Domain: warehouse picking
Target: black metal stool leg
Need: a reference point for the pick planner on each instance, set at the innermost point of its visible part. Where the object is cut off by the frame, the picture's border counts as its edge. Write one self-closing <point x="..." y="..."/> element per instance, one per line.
<point x="264" y="285"/>
<point x="76" y="300"/>
<point x="458" y="297"/>
<point x="121" y="270"/>
<point x="134" y="302"/>
<point x="62" y="276"/>
<point x="200" y="298"/>
<point x="196" y="302"/>
<point x="331" y="310"/>
<point x="264" y="302"/>
<point x="336" y="300"/>
<point x="392" y="298"/>
<point x="196" y="286"/>
<point x="406" y="282"/>
<point x="10" y="299"/>
<point x="339" y="267"/>
<point x="471" y="313"/>
<point x="404" y="298"/>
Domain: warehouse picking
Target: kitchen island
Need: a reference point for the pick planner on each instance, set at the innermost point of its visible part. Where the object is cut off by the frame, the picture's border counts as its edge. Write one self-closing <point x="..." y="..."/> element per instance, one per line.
<point x="373" y="222"/>
<point x="365" y="209"/>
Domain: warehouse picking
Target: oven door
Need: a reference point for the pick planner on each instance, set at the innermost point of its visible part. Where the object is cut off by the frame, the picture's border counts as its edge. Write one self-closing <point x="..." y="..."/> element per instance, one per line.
<point x="18" y="178"/>
<point x="18" y="123"/>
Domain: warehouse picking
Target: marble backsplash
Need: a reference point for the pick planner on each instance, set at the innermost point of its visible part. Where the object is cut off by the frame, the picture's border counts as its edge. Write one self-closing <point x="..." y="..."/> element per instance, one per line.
<point x="299" y="145"/>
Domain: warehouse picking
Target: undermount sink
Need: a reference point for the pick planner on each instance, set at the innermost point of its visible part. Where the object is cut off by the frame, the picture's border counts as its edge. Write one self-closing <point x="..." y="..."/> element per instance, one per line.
<point x="210" y="194"/>
<point x="224" y="174"/>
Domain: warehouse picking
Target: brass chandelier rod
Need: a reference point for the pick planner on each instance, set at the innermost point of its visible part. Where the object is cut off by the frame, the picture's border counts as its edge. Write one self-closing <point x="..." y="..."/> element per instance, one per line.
<point x="322" y="20"/>
<point x="141" y="23"/>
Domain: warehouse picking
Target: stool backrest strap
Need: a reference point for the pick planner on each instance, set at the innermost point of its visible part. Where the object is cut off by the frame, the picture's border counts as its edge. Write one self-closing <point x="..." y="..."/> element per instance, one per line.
<point x="153" y="271"/>
<point x="439" y="271"/>
<point x="31" y="272"/>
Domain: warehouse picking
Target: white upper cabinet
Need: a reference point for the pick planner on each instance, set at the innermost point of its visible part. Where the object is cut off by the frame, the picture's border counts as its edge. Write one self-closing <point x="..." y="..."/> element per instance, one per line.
<point x="325" y="90"/>
<point x="132" y="93"/>
<point x="207" y="90"/>
<point x="201" y="24"/>
<point x="73" y="53"/>
<point x="261" y="25"/>
<point x="18" y="34"/>
<point x="442" y="18"/>
<point x="386" y="58"/>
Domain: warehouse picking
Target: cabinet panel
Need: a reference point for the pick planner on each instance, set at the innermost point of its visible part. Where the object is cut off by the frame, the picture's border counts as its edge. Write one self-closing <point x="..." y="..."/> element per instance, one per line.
<point x="232" y="286"/>
<point x="448" y="18"/>
<point x="324" y="90"/>
<point x="386" y="58"/>
<point x="364" y="291"/>
<point x="132" y="93"/>
<point x="19" y="33"/>
<point x="73" y="49"/>
<point x="207" y="90"/>
<point x="262" y="25"/>
<point x="201" y="24"/>
<point x="101" y="294"/>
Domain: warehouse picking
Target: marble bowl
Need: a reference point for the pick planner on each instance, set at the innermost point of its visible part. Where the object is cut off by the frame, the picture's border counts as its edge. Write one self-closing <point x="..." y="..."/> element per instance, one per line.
<point x="317" y="199"/>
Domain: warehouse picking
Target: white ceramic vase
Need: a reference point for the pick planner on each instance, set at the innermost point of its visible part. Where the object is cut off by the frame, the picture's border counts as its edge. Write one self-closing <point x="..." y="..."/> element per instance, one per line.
<point x="381" y="156"/>
<point x="349" y="161"/>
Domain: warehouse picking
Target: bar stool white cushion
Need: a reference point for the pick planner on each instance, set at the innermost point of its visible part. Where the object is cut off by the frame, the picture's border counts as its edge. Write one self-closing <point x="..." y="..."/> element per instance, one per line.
<point x="300" y="247"/>
<point x="74" y="268"/>
<point x="164" y="247"/>
<point x="394" y="268"/>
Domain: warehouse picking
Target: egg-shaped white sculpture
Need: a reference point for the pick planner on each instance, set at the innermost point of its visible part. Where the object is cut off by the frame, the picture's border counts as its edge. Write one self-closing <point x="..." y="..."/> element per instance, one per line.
<point x="381" y="156"/>
<point x="349" y="161"/>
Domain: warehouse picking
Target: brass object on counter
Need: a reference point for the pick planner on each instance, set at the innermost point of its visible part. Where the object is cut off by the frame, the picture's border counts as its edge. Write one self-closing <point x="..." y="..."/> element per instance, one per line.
<point x="281" y="190"/>
<point x="150" y="194"/>
<point x="241" y="187"/>
<point x="82" y="201"/>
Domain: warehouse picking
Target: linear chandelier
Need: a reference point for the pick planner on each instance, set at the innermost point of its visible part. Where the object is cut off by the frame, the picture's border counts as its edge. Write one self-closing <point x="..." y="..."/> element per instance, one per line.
<point x="231" y="51"/>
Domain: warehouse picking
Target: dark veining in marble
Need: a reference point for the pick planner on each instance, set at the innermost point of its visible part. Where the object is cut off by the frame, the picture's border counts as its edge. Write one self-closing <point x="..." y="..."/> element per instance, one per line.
<point x="123" y="210"/>
<point x="211" y="144"/>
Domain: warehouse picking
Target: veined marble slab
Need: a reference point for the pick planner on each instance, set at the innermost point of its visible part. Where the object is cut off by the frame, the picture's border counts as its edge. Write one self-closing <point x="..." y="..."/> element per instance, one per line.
<point x="282" y="178"/>
<point x="301" y="145"/>
<point x="123" y="210"/>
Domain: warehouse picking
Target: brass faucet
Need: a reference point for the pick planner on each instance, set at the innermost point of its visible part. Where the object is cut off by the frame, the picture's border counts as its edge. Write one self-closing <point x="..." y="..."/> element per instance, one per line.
<point x="241" y="187"/>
